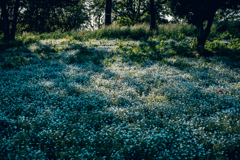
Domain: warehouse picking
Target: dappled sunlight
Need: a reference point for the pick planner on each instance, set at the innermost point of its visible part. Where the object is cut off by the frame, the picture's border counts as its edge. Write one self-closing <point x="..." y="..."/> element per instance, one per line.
<point x="172" y="107"/>
<point x="47" y="83"/>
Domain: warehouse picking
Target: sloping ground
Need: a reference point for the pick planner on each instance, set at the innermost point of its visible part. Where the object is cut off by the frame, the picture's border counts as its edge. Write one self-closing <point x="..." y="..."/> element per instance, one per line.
<point x="55" y="106"/>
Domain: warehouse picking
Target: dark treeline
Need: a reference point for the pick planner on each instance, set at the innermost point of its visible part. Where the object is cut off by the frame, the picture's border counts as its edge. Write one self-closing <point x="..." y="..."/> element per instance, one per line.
<point x="47" y="16"/>
<point x="41" y="16"/>
<point x="65" y="15"/>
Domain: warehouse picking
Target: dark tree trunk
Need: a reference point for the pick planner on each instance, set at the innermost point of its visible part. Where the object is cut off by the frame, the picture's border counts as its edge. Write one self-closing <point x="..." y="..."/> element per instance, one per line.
<point x="152" y="13"/>
<point x="200" y="37"/>
<point x="139" y="5"/>
<point x="5" y="20"/>
<point x="108" y="12"/>
<point x="99" y="17"/>
<point x="203" y="34"/>
<point x="209" y="25"/>
<point x="14" y="23"/>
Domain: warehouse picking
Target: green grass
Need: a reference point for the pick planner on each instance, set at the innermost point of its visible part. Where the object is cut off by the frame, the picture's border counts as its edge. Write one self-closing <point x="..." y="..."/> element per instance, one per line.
<point x="137" y="32"/>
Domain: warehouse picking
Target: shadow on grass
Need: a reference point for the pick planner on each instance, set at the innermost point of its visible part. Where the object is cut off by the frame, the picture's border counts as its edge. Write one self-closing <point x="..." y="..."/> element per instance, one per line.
<point x="53" y="98"/>
<point x="85" y="110"/>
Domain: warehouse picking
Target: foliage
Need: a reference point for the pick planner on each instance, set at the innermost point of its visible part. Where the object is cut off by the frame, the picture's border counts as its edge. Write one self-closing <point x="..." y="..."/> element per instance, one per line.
<point x="137" y="11"/>
<point x="98" y="9"/>
<point x="48" y="16"/>
<point x="182" y="49"/>
<point x="219" y="48"/>
<point x="136" y="32"/>
<point x="41" y="16"/>
<point x="228" y="15"/>
<point x="197" y="12"/>
<point x="229" y="28"/>
<point x="200" y="9"/>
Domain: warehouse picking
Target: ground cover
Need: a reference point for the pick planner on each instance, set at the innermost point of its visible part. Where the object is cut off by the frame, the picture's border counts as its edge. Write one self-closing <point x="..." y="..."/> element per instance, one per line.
<point x="120" y="99"/>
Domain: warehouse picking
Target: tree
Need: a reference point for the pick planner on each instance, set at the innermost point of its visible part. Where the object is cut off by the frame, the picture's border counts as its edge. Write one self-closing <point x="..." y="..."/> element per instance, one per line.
<point x="160" y="11"/>
<point x="41" y="16"/>
<point x="199" y="11"/>
<point x="152" y="13"/>
<point x="98" y="8"/>
<point x="47" y="16"/>
<point x="130" y="12"/>
<point x="6" y="5"/>
<point x="108" y="12"/>
<point x="126" y="13"/>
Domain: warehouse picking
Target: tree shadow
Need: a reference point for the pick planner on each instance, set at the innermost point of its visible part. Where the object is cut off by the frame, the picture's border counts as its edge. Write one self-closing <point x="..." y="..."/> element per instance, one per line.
<point x="66" y="81"/>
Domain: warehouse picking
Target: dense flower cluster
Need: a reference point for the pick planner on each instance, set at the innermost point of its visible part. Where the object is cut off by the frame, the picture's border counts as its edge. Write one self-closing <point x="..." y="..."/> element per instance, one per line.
<point x="162" y="110"/>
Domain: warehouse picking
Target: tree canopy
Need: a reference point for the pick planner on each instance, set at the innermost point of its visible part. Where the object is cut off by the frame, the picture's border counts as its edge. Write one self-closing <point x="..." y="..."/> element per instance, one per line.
<point x="47" y="16"/>
<point x="41" y="16"/>
<point x="199" y="11"/>
<point x="130" y="12"/>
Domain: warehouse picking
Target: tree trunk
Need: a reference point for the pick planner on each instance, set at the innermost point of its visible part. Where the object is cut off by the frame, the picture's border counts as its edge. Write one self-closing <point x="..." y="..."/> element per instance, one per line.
<point x="5" y="21"/>
<point x="99" y="19"/>
<point x="108" y="12"/>
<point x="203" y="34"/>
<point x="139" y="7"/>
<point x="200" y="37"/>
<point x="209" y="25"/>
<point x="14" y="23"/>
<point x="152" y="13"/>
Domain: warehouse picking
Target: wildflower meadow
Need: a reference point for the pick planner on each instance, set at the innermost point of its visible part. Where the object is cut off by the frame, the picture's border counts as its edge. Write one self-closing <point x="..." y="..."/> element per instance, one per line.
<point x="89" y="95"/>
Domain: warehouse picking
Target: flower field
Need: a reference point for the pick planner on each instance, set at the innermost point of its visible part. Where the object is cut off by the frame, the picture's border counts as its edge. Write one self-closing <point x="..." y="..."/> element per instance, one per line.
<point x="117" y="99"/>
